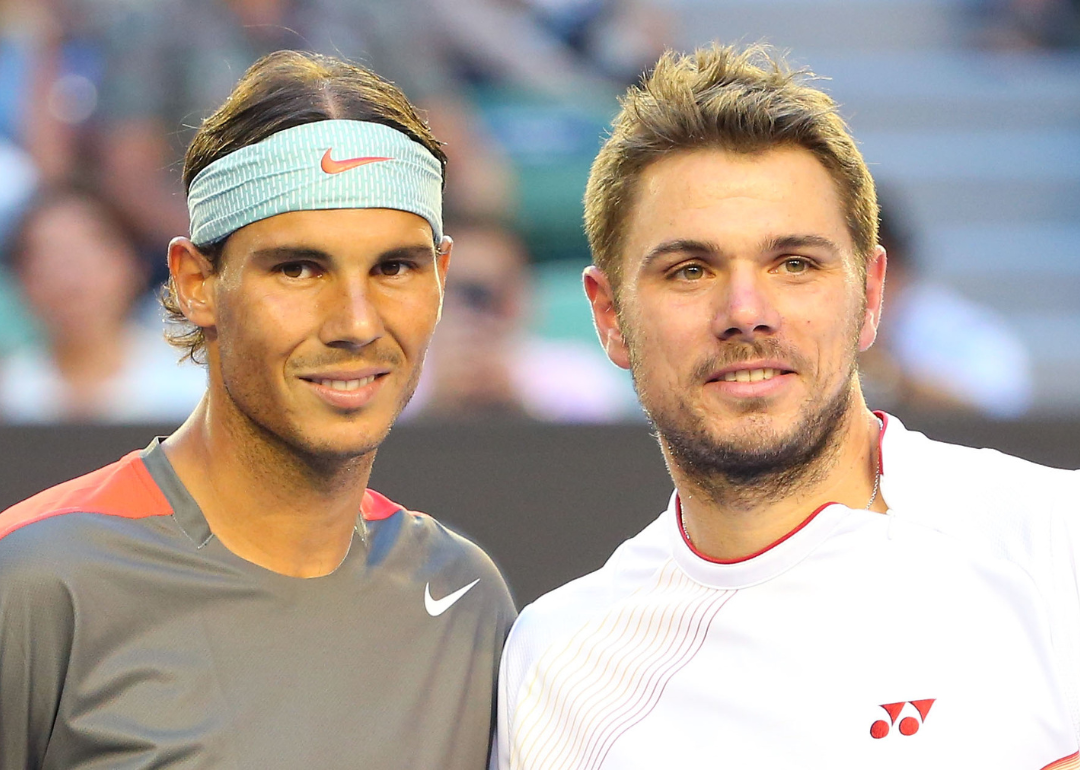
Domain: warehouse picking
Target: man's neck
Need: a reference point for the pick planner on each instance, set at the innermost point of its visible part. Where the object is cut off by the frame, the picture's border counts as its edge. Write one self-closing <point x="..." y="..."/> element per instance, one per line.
<point x="264" y="502"/>
<point x="733" y="526"/>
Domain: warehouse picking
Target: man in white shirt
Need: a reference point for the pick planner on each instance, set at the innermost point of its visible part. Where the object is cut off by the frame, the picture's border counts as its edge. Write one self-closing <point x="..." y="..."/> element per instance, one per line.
<point x="826" y="589"/>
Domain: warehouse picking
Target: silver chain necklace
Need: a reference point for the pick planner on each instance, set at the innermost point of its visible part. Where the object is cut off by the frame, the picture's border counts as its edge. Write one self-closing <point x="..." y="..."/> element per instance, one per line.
<point x="877" y="480"/>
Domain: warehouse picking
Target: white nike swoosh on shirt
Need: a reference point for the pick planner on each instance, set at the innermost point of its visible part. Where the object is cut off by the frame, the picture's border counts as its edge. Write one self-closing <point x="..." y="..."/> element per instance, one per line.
<point x="438" y="607"/>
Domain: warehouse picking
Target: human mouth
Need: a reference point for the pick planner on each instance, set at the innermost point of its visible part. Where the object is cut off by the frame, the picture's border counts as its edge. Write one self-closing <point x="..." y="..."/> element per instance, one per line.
<point x="344" y="385"/>
<point x="748" y="371"/>
<point x="758" y="379"/>
<point x="750" y="375"/>
<point x="346" y="390"/>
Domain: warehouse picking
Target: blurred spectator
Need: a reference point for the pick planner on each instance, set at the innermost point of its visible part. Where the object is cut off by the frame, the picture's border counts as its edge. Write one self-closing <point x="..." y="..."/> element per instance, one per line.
<point x="1020" y="24"/>
<point x="937" y="350"/>
<point x="170" y="63"/>
<point x="484" y="364"/>
<point x="49" y="68"/>
<point x="565" y="48"/>
<point x="80" y="276"/>
<point x="620" y="38"/>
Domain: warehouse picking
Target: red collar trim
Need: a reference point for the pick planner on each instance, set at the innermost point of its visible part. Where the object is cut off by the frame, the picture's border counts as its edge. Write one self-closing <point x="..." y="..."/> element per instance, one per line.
<point x="769" y="547"/>
<point x="881" y="440"/>
<point x="682" y="530"/>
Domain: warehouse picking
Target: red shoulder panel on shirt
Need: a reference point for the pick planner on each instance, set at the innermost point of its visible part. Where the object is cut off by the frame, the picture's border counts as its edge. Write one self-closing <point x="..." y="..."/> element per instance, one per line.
<point x="376" y="507"/>
<point x="124" y="488"/>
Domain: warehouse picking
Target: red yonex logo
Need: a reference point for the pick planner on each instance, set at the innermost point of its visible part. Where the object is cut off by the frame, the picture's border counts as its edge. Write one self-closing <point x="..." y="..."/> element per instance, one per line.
<point x="908" y="725"/>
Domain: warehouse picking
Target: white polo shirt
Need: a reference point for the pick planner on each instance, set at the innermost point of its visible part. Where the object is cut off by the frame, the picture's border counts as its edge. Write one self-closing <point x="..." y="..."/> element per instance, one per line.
<point x="922" y="638"/>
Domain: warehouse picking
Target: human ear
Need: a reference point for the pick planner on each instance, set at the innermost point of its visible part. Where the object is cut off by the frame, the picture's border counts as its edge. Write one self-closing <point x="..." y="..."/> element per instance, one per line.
<point x="875" y="291"/>
<point x="192" y="278"/>
<point x="442" y="265"/>
<point x="605" y="318"/>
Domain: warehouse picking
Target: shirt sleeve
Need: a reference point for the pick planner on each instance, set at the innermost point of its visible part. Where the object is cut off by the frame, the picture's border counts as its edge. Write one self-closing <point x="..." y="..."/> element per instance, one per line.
<point x="1058" y="577"/>
<point x="36" y="622"/>
<point x="510" y="675"/>
<point x="500" y="750"/>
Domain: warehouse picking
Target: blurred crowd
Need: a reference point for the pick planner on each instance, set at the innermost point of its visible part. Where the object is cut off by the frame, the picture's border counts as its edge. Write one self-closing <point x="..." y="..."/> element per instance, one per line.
<point x="1027" y="24"/>
<point x="98" y="99"/>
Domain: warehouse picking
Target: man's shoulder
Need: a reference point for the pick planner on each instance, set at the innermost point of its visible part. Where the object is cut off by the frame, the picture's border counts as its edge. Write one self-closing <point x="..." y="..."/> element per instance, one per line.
<point x="48" y="539"/>
<point x="428" y="546"/>
<point x="972" y="458"/>
<point x="418" y="529"/>
<point x="123" y="488"/>
<point x="991" y="477"/>
<point x="571" y="606"/>
<point x="1016" y="508"/>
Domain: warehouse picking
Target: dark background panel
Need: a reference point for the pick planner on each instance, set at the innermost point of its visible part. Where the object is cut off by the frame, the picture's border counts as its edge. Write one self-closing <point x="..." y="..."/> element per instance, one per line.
<point x="548" y="502"/>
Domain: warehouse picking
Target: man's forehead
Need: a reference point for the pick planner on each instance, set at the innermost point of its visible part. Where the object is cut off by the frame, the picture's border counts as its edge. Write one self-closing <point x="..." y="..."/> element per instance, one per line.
<point x="336" y="231"/>
<point x="351" y="225"/>
<point x="776" y="173"/>
<point x="705" y="194"/>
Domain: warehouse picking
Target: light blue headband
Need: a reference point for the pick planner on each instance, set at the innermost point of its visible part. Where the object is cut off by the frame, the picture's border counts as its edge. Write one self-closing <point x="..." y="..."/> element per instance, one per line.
<point x="330" y="164"/>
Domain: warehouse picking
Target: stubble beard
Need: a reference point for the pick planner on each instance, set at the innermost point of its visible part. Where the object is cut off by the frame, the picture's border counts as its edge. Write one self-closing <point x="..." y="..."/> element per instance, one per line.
<point x="760" y="465"/>
<point x="278" y="443"/>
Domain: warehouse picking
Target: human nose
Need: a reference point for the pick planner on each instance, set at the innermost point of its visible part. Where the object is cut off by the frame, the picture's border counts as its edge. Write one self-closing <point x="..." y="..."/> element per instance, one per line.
<point x="748" y="308"/>
<point x="351" y="317"/>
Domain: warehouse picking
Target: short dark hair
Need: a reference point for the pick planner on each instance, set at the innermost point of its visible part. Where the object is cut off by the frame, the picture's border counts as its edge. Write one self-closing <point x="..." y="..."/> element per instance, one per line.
<point x="280" y="91"/>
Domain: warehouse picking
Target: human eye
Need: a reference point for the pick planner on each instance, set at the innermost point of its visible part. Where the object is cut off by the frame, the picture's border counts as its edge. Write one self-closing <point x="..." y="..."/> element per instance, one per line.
<point x="689" y="272"/>
<point x="297" y="270"/>
<point x="394" y="267"/>
<point x="795" y="266"/>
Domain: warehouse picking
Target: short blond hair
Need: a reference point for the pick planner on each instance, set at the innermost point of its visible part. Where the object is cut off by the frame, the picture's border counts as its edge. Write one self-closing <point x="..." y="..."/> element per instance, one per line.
<point x="719" y="97"/>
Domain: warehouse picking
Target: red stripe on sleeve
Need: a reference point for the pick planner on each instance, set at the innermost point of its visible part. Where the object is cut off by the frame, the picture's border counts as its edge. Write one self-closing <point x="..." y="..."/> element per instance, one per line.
<point x="124" y="488"/>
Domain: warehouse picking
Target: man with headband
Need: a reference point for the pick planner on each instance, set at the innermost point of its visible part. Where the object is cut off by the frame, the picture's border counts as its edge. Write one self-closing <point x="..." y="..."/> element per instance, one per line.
<point x="233" y="596"/>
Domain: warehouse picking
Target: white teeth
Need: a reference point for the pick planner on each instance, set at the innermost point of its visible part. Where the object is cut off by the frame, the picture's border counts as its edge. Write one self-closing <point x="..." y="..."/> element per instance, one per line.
<point x="750" y="375"/>
<point x="346" y="384"/>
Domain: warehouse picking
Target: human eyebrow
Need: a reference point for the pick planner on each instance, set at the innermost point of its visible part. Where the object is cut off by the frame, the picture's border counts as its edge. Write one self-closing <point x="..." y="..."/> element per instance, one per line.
<point x="419" y="254"/>
<point x="278" y="254"/>
<point x="786" y="243"/>
<point x="678" y="246"/>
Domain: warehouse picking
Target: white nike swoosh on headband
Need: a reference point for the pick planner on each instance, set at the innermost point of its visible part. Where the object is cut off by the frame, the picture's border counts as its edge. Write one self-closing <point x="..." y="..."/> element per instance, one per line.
<point x="436" y="607"/>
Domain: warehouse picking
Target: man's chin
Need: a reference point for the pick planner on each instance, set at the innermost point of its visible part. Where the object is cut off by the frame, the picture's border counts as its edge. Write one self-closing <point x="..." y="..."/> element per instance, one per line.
<point x="331" y="456"/>
<point x="748" y="449"/>
<point x="752" y="430"/>
<point x="345" y="444"/>
<point x="741" y="459"/>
